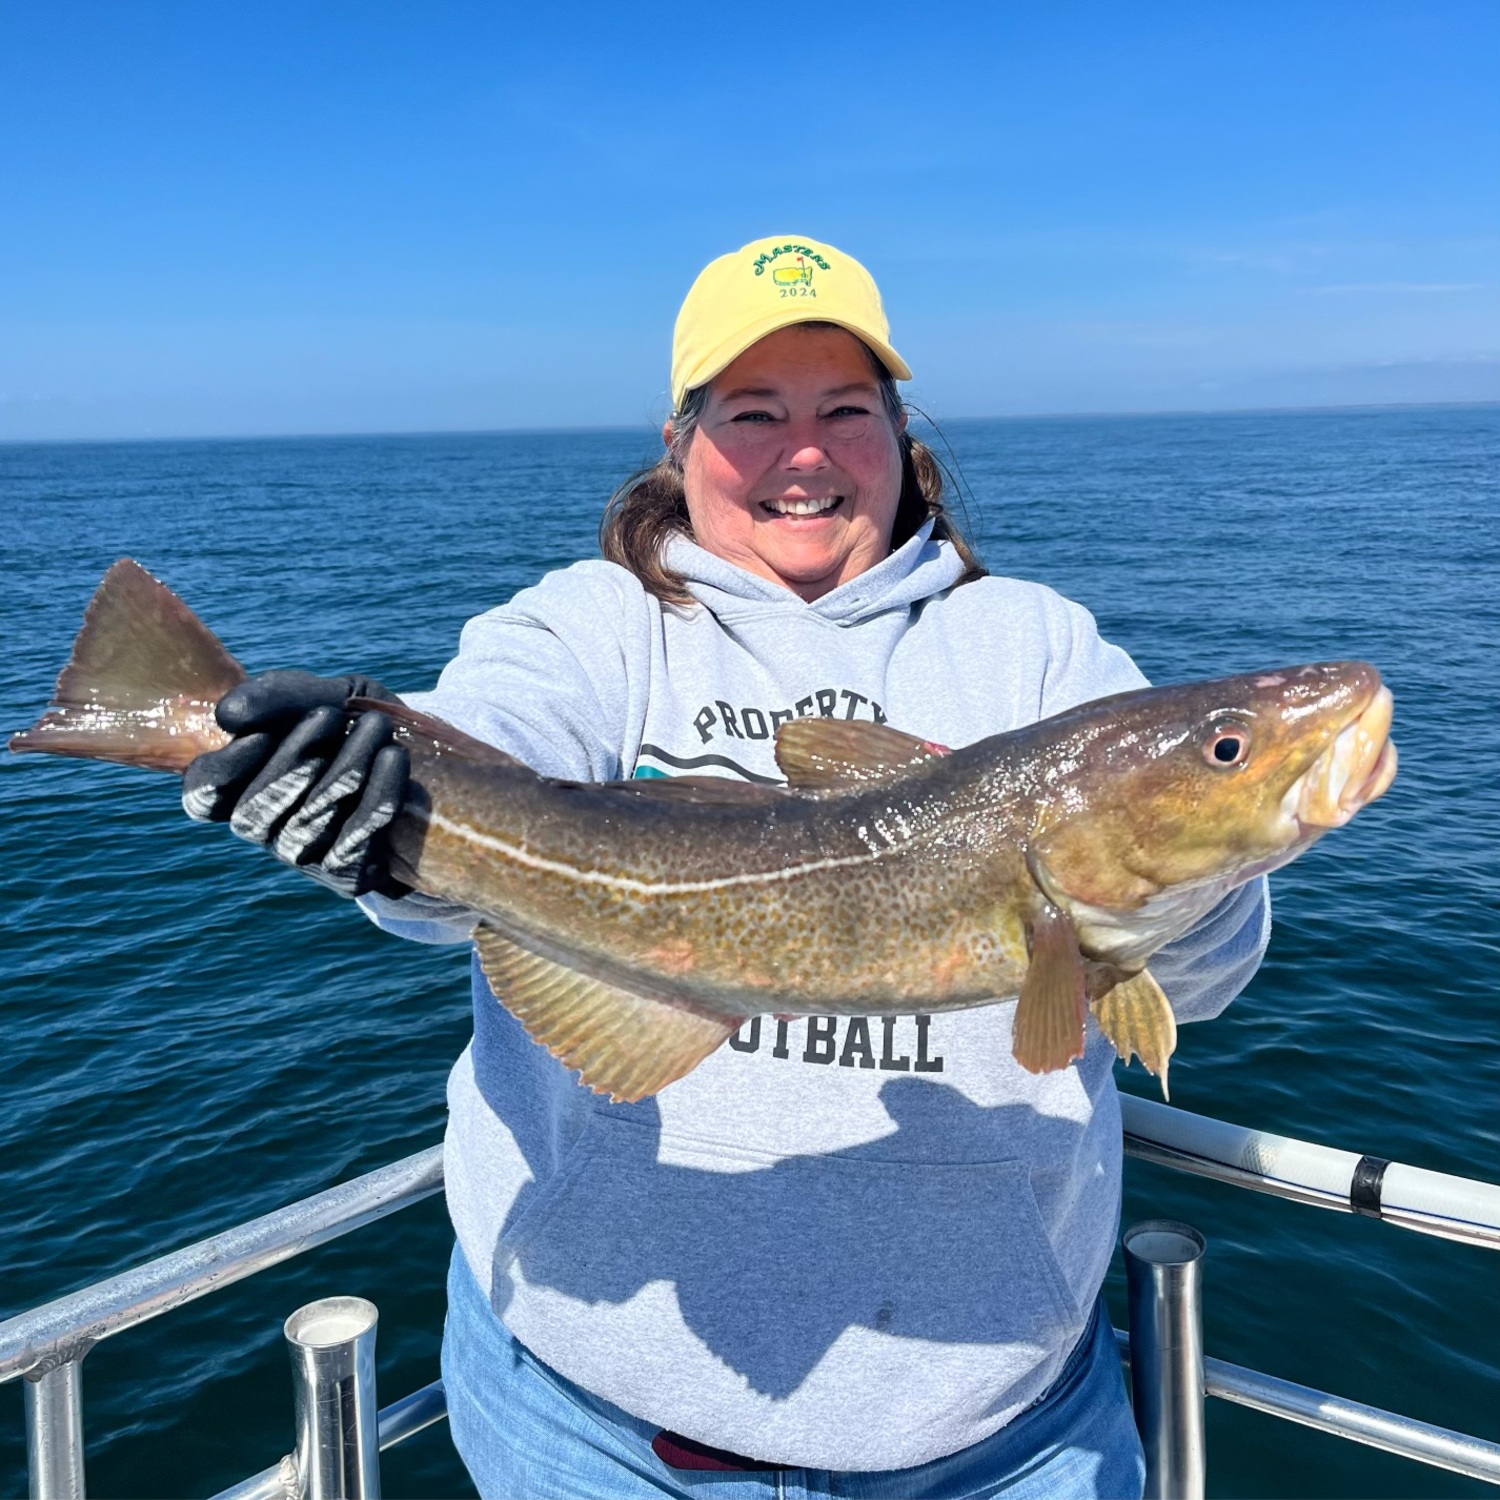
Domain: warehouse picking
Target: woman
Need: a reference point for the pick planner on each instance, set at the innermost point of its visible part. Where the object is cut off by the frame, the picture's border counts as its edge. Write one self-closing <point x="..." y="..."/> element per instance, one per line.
<point x="841" y="1256"/>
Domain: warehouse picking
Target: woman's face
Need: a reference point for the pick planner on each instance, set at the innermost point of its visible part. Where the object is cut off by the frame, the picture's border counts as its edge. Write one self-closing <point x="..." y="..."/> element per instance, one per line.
<point x="794" y="471"/>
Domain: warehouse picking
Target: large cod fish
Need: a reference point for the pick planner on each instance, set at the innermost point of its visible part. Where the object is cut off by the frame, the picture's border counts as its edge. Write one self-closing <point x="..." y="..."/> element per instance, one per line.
<point x="633" y="926"/>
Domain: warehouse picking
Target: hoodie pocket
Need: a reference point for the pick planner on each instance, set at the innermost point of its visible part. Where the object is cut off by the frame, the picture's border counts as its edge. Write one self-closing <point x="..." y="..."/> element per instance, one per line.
<point x="773" y="1261"/>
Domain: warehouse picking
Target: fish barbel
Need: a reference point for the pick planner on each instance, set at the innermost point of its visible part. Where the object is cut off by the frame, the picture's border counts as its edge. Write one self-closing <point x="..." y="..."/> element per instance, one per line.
<point x="632" y="927"/>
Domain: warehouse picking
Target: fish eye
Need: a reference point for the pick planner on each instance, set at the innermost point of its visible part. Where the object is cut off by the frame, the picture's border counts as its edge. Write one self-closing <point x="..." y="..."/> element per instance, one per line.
<point x="1227" y="745"/>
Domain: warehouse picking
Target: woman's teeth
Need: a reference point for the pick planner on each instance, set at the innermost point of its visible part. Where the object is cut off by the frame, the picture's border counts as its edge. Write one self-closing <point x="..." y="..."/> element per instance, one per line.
<point x="802" y="507"/>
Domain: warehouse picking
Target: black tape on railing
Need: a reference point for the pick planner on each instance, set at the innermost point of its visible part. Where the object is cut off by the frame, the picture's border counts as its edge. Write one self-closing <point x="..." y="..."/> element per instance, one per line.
<point x="1364" y="1186"/>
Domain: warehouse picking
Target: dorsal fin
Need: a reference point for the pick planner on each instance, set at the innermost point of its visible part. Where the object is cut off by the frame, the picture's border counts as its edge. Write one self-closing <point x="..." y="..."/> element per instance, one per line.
<point x="820" y="754"/>
<point x="426" y="733"/>
<point x="624" y="1044"/>
<point x="705" y="790"/>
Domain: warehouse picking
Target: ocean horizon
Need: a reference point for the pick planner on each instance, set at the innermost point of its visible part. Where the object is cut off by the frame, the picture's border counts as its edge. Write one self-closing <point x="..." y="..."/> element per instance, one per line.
<point x="922" y="421"/>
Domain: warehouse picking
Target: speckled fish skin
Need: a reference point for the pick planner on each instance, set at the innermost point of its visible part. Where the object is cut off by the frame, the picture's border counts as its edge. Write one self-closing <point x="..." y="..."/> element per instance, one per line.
<point x="914" y="894"/>
<point x="795" y="902"/>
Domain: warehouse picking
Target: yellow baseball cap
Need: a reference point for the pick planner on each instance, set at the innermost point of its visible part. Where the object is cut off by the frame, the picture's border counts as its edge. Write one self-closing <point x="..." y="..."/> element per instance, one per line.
<point x="769" y="284"/>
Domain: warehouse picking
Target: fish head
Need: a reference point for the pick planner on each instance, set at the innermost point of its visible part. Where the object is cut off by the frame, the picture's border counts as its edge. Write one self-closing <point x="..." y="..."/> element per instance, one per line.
<point x="1164" y="799"/>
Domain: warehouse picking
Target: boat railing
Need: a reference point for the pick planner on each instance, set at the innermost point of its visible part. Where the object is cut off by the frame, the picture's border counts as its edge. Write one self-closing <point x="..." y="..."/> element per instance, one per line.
<point x="46" y="1346"/>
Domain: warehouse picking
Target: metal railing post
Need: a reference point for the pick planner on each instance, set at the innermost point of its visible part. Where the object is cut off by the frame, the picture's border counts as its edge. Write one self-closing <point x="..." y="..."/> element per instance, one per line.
<point x="1163" y="1273"/>
<point x="54" y="1432"/>
<point x="332" y="1347"/>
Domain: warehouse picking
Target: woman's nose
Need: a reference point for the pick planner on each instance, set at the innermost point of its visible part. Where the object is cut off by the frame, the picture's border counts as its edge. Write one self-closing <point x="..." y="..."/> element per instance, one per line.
<point x="804" y="450"/>
<point x="810" y="456"/>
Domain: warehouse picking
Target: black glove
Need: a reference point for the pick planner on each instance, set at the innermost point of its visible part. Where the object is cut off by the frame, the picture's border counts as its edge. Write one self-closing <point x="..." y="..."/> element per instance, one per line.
<point x="297" y="778"/>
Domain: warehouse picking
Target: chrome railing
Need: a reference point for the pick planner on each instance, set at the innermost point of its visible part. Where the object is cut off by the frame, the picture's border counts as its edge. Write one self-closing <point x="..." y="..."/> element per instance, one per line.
<point x="1454" y="1208"/>
<point x="47" y="1345"/>
<point x="62" y="1332"/>
<point x="1164" y="1294"/>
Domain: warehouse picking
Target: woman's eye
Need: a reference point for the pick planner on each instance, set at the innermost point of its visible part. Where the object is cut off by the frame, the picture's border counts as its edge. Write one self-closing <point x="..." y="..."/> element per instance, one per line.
<point x="752" y="416"/>
<point x="850" y="411"/>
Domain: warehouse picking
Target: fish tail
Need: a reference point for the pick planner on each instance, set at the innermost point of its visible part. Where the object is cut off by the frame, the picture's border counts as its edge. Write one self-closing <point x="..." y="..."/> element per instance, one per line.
<point x="143" y="681"/>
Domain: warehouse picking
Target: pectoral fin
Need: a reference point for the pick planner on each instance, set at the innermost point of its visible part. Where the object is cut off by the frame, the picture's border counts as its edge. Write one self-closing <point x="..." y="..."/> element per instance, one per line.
<point x="1048" y="1030"/>
<point x="626" y="1045"/>
<point x="1137" y="1018"/>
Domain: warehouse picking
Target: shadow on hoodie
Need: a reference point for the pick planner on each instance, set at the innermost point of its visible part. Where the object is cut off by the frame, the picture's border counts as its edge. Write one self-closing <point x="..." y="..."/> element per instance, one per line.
<point x="772" y="1260"/>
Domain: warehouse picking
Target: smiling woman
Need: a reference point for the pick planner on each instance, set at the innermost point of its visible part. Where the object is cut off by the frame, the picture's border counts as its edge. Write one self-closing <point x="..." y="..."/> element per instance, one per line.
<point x="793" y="472"/>
<point x="792" y="459"/>
<point x="872" y="1270"/>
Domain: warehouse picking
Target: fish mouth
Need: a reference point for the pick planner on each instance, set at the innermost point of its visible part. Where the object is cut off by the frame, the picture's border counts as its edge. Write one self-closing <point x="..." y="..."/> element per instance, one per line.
<point x="1349" y="774"/>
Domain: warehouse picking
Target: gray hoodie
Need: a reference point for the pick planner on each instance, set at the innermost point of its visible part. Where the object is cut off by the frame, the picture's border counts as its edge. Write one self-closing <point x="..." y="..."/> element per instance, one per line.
<point x="839" y="1243"/>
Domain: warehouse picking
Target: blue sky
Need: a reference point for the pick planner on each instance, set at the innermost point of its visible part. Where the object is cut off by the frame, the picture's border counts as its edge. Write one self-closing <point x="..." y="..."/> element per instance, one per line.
<point x="276" y="218"/>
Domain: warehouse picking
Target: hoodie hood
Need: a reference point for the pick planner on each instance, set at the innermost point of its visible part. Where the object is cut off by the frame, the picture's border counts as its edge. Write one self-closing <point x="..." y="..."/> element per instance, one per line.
<point x="916" y="570"/>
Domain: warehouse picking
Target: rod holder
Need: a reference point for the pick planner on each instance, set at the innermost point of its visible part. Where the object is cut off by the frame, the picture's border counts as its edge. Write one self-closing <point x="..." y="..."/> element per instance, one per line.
<point x="332" y="1348"/>
<point x="54" y="1432"/>
<point x="1163" y="1275"/>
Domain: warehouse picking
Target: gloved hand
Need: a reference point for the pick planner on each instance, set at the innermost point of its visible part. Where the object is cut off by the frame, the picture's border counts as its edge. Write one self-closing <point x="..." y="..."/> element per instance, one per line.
<point x="293" y="779"/>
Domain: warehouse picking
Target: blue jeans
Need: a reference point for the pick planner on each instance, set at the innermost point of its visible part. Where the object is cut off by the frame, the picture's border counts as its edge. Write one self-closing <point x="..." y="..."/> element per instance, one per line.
<point x="525" y="1433"/>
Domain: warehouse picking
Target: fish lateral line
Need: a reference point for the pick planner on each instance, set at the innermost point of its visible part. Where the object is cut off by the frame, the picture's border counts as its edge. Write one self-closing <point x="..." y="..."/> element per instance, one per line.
<point x="636" y="887"/>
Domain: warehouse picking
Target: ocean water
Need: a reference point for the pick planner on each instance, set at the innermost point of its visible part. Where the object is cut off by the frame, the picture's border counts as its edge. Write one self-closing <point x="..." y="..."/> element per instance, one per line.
<point x="193" y="1036"/>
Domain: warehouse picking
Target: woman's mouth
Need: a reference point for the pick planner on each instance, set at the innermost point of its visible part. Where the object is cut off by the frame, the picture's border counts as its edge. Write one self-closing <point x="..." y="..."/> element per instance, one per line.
<point x="803" y="505"/>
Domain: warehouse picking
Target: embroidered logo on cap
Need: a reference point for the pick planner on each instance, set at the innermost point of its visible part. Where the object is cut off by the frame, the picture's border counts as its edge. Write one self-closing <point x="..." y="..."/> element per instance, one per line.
<point x="803" y="253"/>
<point x="791" y="275"/>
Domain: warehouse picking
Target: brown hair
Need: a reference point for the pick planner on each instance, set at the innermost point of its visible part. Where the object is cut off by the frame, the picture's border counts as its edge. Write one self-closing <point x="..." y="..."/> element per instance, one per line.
<point x="651" y="506"/>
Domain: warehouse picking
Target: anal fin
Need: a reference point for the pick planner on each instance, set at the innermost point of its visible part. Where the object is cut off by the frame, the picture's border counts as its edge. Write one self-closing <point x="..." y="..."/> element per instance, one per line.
<point x="1138" y="1019"/>
<point x="1047" y="1033"/>
<point x="624" y="1044"/>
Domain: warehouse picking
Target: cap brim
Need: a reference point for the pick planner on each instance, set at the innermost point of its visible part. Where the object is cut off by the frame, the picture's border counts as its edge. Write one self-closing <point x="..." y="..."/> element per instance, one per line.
<point x="730" y="350"/>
